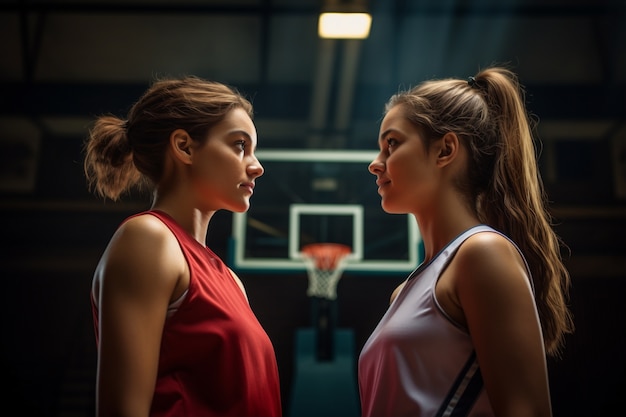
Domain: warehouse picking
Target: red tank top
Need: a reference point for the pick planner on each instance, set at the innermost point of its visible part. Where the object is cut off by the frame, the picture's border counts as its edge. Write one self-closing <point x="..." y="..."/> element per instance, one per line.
<point x="216" y="358"/>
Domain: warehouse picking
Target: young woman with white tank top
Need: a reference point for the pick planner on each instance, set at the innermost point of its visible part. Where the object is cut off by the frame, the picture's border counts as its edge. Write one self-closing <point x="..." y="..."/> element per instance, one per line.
<point x="468" y="332"/>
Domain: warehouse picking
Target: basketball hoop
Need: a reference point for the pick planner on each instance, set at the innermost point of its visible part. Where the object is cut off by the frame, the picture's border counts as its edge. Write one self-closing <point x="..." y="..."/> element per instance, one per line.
<point x="325" y="263"/>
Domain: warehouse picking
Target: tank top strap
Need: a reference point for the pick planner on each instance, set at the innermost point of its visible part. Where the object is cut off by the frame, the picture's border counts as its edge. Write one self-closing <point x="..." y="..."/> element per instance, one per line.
<point x="441" y="259"/>
<point x="453" y="246"/>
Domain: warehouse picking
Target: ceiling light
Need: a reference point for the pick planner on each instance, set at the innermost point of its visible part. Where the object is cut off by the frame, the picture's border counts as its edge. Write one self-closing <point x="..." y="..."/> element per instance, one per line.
<point x="344" y="25"/>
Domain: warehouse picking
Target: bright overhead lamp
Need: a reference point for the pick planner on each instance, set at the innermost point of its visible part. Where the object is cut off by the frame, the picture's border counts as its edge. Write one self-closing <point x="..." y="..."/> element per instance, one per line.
<point x="334" y="25"/>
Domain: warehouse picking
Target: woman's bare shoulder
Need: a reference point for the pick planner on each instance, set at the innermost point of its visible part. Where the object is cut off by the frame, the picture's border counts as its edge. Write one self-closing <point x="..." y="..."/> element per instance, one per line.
<point x="490" y="262"/>
<point x="143" y="246"/>
<point x="487" y="250"/>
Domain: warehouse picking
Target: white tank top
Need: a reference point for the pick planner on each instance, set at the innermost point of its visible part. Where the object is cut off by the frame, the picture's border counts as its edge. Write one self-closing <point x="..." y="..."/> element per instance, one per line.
<point x="418" y="362"/>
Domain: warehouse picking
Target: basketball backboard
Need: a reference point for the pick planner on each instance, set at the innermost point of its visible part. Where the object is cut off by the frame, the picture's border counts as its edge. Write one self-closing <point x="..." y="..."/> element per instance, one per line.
<point x="318" y="196"/>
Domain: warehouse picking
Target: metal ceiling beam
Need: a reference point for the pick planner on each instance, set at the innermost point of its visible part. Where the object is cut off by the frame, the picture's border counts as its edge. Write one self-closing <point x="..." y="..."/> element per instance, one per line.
<point x="292" y="101"/>
<point x="601" y="8"/>
<point x="172" y="8"/>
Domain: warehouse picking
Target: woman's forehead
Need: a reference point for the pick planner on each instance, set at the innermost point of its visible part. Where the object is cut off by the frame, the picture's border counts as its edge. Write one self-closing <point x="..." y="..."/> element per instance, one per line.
<point x="395" y="116"/>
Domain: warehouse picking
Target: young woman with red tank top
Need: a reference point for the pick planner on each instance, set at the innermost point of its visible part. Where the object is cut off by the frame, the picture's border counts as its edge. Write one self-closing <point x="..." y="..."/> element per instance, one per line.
<point x="175" y="333"/>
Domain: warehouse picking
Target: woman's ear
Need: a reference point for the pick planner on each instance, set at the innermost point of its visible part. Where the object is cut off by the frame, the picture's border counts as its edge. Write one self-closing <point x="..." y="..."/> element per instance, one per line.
<point x="449" y="148"/>
<point x="181" y="145"/>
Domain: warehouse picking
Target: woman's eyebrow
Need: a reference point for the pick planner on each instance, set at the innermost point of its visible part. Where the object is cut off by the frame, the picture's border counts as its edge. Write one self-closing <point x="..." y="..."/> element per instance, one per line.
<point x="386" y="132"/>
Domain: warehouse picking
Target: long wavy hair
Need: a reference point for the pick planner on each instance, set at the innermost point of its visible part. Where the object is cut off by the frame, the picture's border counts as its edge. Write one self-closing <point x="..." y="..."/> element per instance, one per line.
<point x="503" y="185"/>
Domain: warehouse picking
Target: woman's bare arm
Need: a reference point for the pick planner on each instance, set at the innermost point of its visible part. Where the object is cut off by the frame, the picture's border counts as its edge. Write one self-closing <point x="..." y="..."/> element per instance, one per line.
<point x="136" y="278"/>
<point x="495" y="295"/>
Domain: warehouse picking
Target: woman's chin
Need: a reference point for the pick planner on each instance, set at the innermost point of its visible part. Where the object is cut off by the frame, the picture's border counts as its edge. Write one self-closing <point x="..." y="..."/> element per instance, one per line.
<point x="391" y="209"/>
<point x="240" y="208"/>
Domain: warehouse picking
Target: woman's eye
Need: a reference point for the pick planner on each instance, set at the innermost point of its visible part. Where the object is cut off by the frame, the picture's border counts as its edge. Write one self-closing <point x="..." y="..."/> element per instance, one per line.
<point x="391" y="142"/>
<point x="241" y="144"/>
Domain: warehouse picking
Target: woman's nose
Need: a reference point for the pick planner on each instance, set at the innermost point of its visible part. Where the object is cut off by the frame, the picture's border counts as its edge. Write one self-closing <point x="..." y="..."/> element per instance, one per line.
<point x="256" y="168"/>
<point x="376" y="166"/>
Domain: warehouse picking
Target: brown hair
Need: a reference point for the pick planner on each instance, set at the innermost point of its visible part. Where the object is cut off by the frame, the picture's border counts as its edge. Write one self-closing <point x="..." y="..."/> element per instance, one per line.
<point x="121" y="154"/>
<point x="503" y="185"/>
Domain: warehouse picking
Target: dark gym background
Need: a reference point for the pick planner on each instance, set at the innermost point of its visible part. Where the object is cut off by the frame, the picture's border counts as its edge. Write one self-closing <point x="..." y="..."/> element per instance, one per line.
<point x="63" y="62"/>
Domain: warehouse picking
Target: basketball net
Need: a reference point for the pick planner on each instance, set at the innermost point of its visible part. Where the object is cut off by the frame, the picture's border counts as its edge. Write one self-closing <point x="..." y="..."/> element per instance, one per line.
<point x="325" y="264"/>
